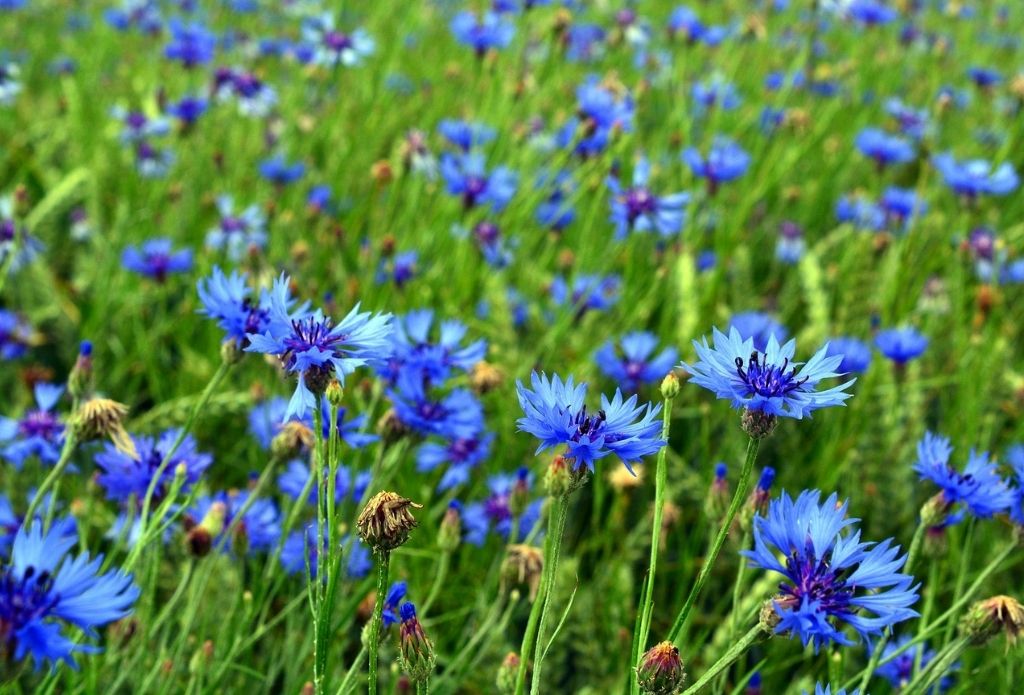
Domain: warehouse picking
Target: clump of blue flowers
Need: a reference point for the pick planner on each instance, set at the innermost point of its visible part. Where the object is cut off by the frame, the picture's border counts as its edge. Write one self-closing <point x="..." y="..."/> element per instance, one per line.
<point x="979" y="487"/>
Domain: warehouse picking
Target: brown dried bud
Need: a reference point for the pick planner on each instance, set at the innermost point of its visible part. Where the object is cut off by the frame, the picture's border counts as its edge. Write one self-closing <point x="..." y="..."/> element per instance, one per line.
<point x="485" y="377"/>
<point x="523" y="565"/>
<point x="102" y="418"/>
<point x="293" y="438"/>
<point x="385" y="522"/>
<point x="986" y="619"/>
<point x="390" y="427"/>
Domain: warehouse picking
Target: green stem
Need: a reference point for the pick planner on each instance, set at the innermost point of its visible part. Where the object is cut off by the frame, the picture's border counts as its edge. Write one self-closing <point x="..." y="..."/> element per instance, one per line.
<point x="726" y="660"/>
<point x="559" y="512"/>
<point x="938" y="667"/>
<point x="929" y="604"/>
<point x="321" y="614"/>
<point x="70" y="440"/>
<point x="660" y="483"/>
<point x="353" y="669"/>
<point x="723" y="532"/>
<point x="876" y="654"/>
<point x="961" y="575"/>
<point x="439" y="576"/>
<point x="383" y="565"/>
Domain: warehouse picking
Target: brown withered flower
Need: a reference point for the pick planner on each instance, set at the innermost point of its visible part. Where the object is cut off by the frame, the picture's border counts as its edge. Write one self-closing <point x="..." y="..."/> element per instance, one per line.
<point x="386" y="521"/>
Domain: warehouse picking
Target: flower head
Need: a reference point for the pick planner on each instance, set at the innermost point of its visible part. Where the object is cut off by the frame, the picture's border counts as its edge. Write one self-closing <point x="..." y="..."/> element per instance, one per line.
<point x="492" y="30"/>
<point x="975" y="177"/>
<point x="899" y="671"/>
<point x="883" y="148"/>
<point x="191" y="44"/>
<point x="555" y="413"/>
<point x="856" y="355"/>
<point x="726" y="161"/>
<point x="42" y="590"/>
<point x="238" y="232"/>
<point x="39" y="432"/>
<point x="638" y="209"/>
<point x="832" y="579"/>
<point x="15" y="335"/>
<point x="767" y="381"/>
<point x="637" y="364"/>
<point x="156" y="259"/>
<point x="125" y="477"/>
<point x="330" y="47"/>
<point x="465" y="175"/>
<point x="901" y="344"/>
<point x="979" y="487"/>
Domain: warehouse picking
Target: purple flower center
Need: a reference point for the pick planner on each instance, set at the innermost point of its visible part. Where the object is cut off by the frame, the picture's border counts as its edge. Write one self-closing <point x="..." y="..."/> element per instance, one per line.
<point x="639" y="202"/>
<point x="497" y="509"/>
<point x="337" y="41"/>
<point x="768" y="380"/>
<point x="634" y="370"/>
<point x="311" y="334"/>
<point x="23" y="600"/>
<point x="475" y="186"/>
<point x="588" y="425"/>
<point x="817" y="581"/>
<point x="7" y="230"/>
<point x="461" y="450"/>
<point x="135" y="120"/>
<point x="231" y="224"/>
<point x="40" y="423"/>
<point x="487" y="233"/>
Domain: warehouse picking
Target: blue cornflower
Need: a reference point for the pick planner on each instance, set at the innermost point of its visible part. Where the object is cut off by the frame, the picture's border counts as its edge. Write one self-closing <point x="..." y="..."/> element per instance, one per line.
<point x="685" y="23"/>
<point x="17" y="246"/>
<point x="976" y="177"/>
<point x="312" y="347"/>
<point x="141" y="14"/>
<point x="638" y="209"/>
<point x="188" y="109"/>
<point x="156" y="259"/>
<point x="300" y="547"/>
<point x="901" y="344"/>
<point x="257" y="531"/>
<point x="871" y="12"/>
<point x="861" y="213"/>
<point x="832" y="578"/>
<point x="42" y="590"/>
<point x="482" y="33"/>
<point x="280" y="172"/>
<point x="1015" y="457"/>
<point x="983" y="77"/>
<point x="10" y="85"/>
<point x="885" y="149"/>
<point x="584" y="42"/>
<point x="39" y="432"/>
<point x="901" y="205"/>
<point x="790" y="246"/>
<point x="465" y="135"/>
<point x="268" y="418"/>
<point x="124" y="477"/>
<point x="456" y="415"/>
<point x="726" y="161"/>
<point x="855" y="354"/>
<point x="714" y="92"/>
<point x="768" y="381"/>
<point x="136" y="126"/>
<point x="465" y="175"/>
<point x="331" y="47"/>
<point x="400" y="268"/>
<point x="296" y="475"/>
<point x="192" y="44"/>
<point x="495" y="249"/>
<point x="395" y="594"/>
<point x="758" y="326"/>
<point x="413" y="350"/>
<point x="556" y="212"/>
<point x="15" y="335"/>
<point x="461" y="453"/>
<point x="979" y="487"/>
<point x="588" y="292"/>
<point x="637" y="365"/>
<point x="827" y="690"/>
<point x="900" y="670"/>
<point x="152" y="162"/>
<point x="912" y="122"/>
<point x="256" y="99"/>
<point x="10" y="521"/>
<point x="555" y="413"/>
<point x="599" y="113"/>
<point x="238" y="233"/>
<point x="228" y="300"/>
<point x="495" y="513"/>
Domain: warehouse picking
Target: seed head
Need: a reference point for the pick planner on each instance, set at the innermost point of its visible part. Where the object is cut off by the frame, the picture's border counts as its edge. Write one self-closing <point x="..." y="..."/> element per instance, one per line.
<point x="386" y="520"/>
<point x="102" y="418"/>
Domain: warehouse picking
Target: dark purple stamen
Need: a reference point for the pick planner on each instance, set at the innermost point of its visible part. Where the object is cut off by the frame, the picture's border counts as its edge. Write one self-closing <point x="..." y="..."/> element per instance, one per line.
<point x="768" y="380"/>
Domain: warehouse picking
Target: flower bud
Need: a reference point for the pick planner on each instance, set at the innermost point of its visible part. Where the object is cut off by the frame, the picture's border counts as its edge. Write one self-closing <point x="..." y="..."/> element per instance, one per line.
<point x="230" y="352"/>
<point x="670" y="386"/>
<point x="449" y="536"/>
<point x="416" y="651"/>
<point x="390" y="428"/>
<point x="558" y="477"/>
<point x="757" y="503"/>
<point x="717" y="502"/>
<point x="661" y="670"/>
<point x="523" y="564"/>
<point x="102" y="418"/>
<point x="385" y="522"/>
<point x="935" y="511"/>
<point x="200" y="538"/>
<point x="986" y="619"/>
<point x="81" y="376"/>
<point x="508" y="672"/>
<point x="519" y="496"/>
<point x="485" y="377"/>
<point x="334" y="393"/>
<point x="769" y="617"/>
<point x="757" y="423"/>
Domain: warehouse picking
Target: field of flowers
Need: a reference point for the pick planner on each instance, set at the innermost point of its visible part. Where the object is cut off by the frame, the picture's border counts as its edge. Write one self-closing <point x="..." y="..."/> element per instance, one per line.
<point x="525" y="346"/>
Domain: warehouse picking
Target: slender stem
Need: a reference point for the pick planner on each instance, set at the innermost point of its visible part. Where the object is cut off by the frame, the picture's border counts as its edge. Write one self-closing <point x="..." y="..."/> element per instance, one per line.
<point x="876" y="654"/>
<point x="559" y="512"/>
<point x="154" y="482"/>
<point x="70" y="440"/>
<point x="353" y="669"/>
<point x="383" y="565"/>
<point x="961" y="575"/>
<point x="660" y="483"/>
<point x="320" y="619"/>
<point x="439" y="576"/>
<point x="716" y="548"/>
<point x="938" y="666"/>
<point x="931" y="589"/>
<point x="726" y="660"/>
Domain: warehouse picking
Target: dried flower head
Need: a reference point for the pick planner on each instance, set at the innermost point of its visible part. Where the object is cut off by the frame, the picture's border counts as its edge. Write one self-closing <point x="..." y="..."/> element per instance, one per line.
<point x="523" y="565"/>
<point x="986" y="619"/>
<point x="102" y="418"/>
<point x="386" y="520"/>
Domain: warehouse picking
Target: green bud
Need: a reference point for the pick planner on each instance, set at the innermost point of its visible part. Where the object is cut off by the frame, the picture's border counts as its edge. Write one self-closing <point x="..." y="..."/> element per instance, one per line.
<point x="670" y="386"/>
<point x="661" y="670"/>
<point x="508" y="672"/>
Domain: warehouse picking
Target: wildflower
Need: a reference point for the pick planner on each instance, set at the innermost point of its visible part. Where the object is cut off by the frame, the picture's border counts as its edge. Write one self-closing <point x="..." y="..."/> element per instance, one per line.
<point x="412" y="348"/>
<point x="15" y="335"/>
<point x="714" y="92"/>
<point x="588" y="293"/>
<point x="769" y="381"/>
<point x="790" y="246"/>
<point x="986" y="619"/>
<point x="227" y="299"/>
<point x="256" y="99"/>
<point x="901" y="344"/>
<point x="759" y="326"/>
<point x="899" y="670"/>
<point x="856" y="355"/>
<point x="416" y="653"/>
<point x="188" y="109"/>
<point x="331" y="47"/>
<point x="1015" y="457"/>
<point x="460" y="453"/>
<point x="10" y="85"/>
<point x="124" y="477"/>
<point x="827" y="690"/>
<point x="726" y="161"/>
<point x="861" y="213"/>
<point x="499" y="510"/>
<point x="300" y="548"/>
<point x="39" y="432"/>
<point x="584" y="43"/>
<point x="901" y="205"/>
<point x="449" y="534"/>
<point x="17" y="246"/>
<point x="482" y="33"/>
<point x="717" y="501"/>
<point x="684" y="22"/>
<point x="280" y="172"/>
<point x="599" y="113"/>
<point x="42" y="590"/>
<point x="465" y="135"/>
<point x="975" y="177"/>
<point x="156" y="259"/>
<point x="983" y="77"/>
<point x="554" y="412"/>
<point x="389" y="610"/>
<point x="258" y="530"/>
<point x="832" y="579"/>
<point x="979" y="487"/>
<point x="885" y="149"/>
<point x="637" y="364"/>
<point x="661" y="670"/>
<point x="143" y="15"/>
<point x="191" y="44"/>
<point x="386" y="521"/>
<point x="556" y="211"/>
<point x="871" y="13"/>
<point x="239" y="233"/>
<point x="152" y="162"/>
<point x="103" y="418"/>
<point x="456" y="415"/>
<point x="912" y="122"/>
<point x="347" y="484"/>
<point x="638" y="209"/>
<point x="466" y="175"/>
<point x="313" y="348"/>
<point x="400" y="269"/>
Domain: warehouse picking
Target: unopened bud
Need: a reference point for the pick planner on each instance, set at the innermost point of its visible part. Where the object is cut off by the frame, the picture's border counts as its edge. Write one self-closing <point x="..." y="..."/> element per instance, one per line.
<point x="390" y="428"/>
<point x="334" y="393"/>
<point x="661" y="670"/>
<point x="293" y="438"/>
<point x="757" y="423"/>
<point x="935" y="511"/>
<point x="230" y="352"/>
<point x="449" y="536"/>
<point x="416" y="651"/>
<point x="523" y="564"/>
<point x="81" y="377"/>
<point x="558" y="477"/>
<point x="508" y="672"/>
<point x="717" y="501"/>
<point x="670" y="386"/>
<point x="200" y="537"/>
<point x="519" y="497"/>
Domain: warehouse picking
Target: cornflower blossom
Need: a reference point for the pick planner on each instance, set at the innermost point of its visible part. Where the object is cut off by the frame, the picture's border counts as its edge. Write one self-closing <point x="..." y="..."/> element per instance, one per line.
<point x="637" y="364"/>
<point x="38" y="432"/>
<point x="237" y="233"/>
<point x="831" y="579"/>
<point x="979" y="487"/>
<point x="555" y="413"/>
<point x="125" y="478"/>
<point x="638" y="209"/>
